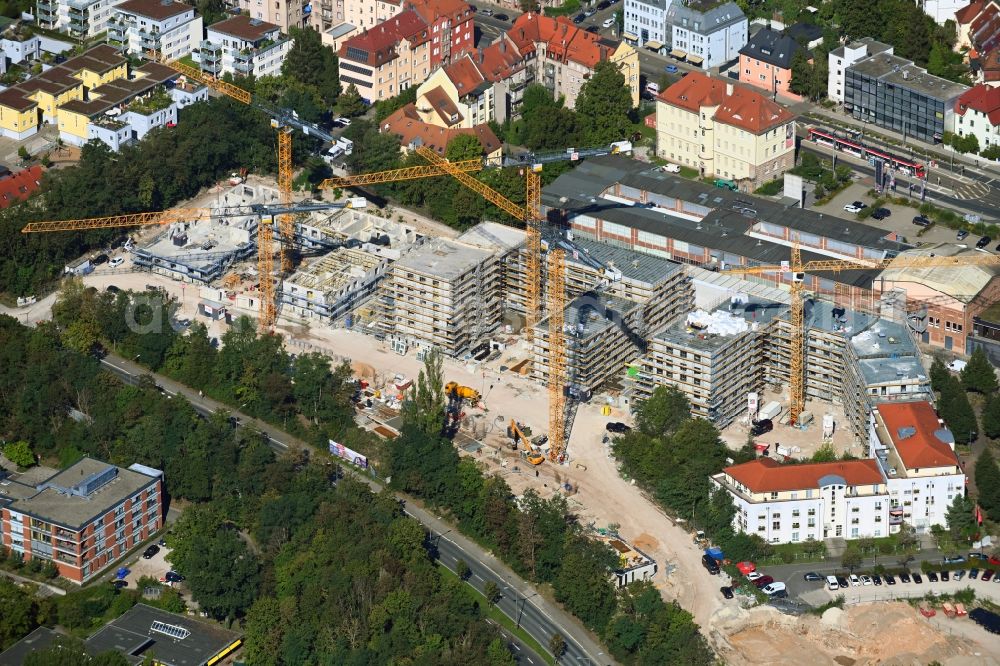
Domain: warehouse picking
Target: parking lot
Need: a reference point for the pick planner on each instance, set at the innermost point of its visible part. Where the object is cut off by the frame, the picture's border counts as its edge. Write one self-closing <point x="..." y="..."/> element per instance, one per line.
<point x="155" y="567"/>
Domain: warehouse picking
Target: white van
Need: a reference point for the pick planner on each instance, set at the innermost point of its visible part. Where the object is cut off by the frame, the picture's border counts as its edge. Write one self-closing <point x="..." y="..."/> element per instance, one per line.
<point x="652" y="87"/>
<point x="831" y="583"/>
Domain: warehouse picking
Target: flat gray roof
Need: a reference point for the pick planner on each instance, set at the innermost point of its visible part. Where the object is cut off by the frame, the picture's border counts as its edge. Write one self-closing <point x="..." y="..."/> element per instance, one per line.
<point x="883" y="370"/>
<point x="53" y="505"/>
<point x="753" y="311"/>
<point x="131" y="635"/>
<point x="883" y="338"/>
<point x="723" y="228"/>
<point x="591" y="313"/>
<point x="442" y="258"/>
<point x="39" y="639"/>
<point x="904" y="74"/>
<point x="633" y="265"/>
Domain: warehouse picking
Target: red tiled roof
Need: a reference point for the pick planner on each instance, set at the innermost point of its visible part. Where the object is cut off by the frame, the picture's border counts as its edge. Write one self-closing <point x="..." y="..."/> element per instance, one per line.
<point x="406" y="124"/>
<point x="563" y="40"/>
<point x="743" y="107"/>
<point x="913" y="427"/>
<point x="990" y="64"/>
<point x="443" y="106"/>
<point x="432" y="10"/>
<point x="19" y="186"/>
<point x="982" y="98"/>
<point x="464" y="73"/>
<point x="968" y="12"/>
<point x="500" y="60"/>
<point x="984" y="30"/>
<point x="380" y="42"/>
<point x="765" y="475"/>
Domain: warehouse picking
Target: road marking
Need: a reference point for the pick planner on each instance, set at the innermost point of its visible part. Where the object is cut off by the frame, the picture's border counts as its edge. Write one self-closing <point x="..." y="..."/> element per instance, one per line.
<point x="516" y="647"/>
<point x="530" y="660"/>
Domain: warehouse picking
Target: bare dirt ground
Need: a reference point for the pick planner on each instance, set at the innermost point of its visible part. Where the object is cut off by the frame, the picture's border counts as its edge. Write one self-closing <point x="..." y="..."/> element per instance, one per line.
<point x="884" y="633"/>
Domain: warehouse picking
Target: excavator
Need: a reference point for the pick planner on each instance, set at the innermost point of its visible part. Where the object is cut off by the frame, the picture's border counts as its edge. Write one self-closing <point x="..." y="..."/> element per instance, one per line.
<point x="531" y="453"/>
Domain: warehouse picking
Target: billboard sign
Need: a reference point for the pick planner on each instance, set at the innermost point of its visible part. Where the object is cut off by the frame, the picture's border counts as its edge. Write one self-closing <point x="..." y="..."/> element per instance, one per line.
<point x="347" y="454"/>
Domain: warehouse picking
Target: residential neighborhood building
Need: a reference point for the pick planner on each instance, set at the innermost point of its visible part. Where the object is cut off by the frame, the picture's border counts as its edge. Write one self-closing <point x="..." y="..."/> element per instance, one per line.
<point x="243" y="46"/>
<point x="339" y="20"/>
<point x="77" y="18"/>
<point x="707" y="33"/>
<point x="766" y="62"/>
<point x="450" y="25"/>
<point x="19" y="186"/>
<point x="843" y="57"/>
<point x="977" y="113"/>
<point x="386" y="60"/>
<point x="407" y="123"/>
<point x="285" y="14"/>
<point x="563" y="57"/>
<point x="978" y="26"/>
<point x="724" y="130"/>
<point x="892" y="92"/>
<point x="171" y="29"/>
<point x="19" y="43"/>
<point x="645" y="23"/>
<point x="83" y="518"/>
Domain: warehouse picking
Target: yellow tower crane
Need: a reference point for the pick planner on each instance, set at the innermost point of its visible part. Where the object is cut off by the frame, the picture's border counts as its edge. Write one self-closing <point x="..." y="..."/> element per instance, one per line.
<point x="798" y="269"/>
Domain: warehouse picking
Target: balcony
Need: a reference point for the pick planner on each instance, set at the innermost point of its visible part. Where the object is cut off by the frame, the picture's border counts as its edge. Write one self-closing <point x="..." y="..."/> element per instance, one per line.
<point x="213" y="68"/>
<point x="47" y="5"/>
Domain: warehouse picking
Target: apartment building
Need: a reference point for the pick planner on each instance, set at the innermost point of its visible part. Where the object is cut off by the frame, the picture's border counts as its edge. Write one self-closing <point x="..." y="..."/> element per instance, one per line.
<point x="766" y="62"/>
<point x="916" y="453"/>
<point x="285" y="14"/>
<point x="977" y="112"/>
<point x="843" y="57"/>
<point x="444" y="293"/>
<point x="169" y="28"/>
<point x="78" y="18"/>
<point x="339" y="20"/>
<point x="645" y="23"/>
<point x="243" y="46"/>
<point x="563" y="57"/>
<point x="407" y="124"/>
<point x="794" y="503"/>
<point x="978" y="26"/>
<point x="450" y="26"/>
<point x="891" y="92"/>
<point x="725" y="131"/>
<point x="83" y="518"/>
<point x="387" y="59"/>
<point x="18" y="42"/>
<point x="706" y="33"/>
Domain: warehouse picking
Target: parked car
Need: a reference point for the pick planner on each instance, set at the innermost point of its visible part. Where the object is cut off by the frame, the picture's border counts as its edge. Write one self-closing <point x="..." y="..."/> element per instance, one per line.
<point x="342" y="122"/>
<point x="578" y="18"/>
<point x="917" y="578"/>
<point x="889" y="579"/>
<point x="944" y="576"/>
<point x="590" y="12"/>
<point x="486" y="12"/>
<point x="958" y="575"/>
<point x="987" y="574"/>
<point x="976" y="556"/>
<point x="119" y="584"/>
<point x="617" y="427"/>
<point x="727" y="592"/>
<point x="983" y="242"/>
<point x="842" y="582"/>
<point x="881" y="213"/>
<point x="763" y="581"/>
<point x="502" y="17"/>
<point x="855" y="207"/>
<point x="672" y="168"/>
<point x="760" y="427"/>
<point x="173" y="577"/>
<point x="876" y="579"/>
<point x="855" y="581"/>
<point x="773" y="588"/>
<point x="904" y="577"/>
<point x="608" y="22"/>
<point x="973" y="573"/>
<point x="150" y="552"/>
<point x="813" y="577"/>
<point x="746" y="567"/>
<point x="922" y="221"/>
<point x="932" y="577"/>
<point x="593" y="29"/>
<point x="710" y="563"/>
<point x="867" y="580"/>
<point x="601" y="6"/>
<point x="953" y="559"/>
<point x="754" y="575"/>
<point x="113" y="289"/>
<point x="962" y="233"/>
<point x="99" y="259"/>
<point x="671" y="69"/>
<point x="832" y="583"/>
<point x="116" y="262"/>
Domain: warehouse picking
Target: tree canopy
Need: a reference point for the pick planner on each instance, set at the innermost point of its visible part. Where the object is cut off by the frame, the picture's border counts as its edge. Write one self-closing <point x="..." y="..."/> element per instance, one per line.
<point x="604" y="105"/>
<point x="311" y="62"/>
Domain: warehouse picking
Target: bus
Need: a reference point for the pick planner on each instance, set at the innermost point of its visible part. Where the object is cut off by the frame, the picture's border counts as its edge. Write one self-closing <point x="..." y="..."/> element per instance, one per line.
<point x="856" y="148"/>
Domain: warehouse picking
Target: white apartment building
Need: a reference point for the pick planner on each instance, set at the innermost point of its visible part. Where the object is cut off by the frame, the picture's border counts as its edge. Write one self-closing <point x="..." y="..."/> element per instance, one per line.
<point x="977" y="112"/>
<point x="843" y="57"/>
<point x="243" y="46"/>
<point x="283" y="13"/>
<point x="912" y="476"/>
<point x="916" y="452"/>
<point x="645" y="23"/>
<point x="78" y="18"/>
<point x="170" y="28"/>
<point x="707" y="38"/>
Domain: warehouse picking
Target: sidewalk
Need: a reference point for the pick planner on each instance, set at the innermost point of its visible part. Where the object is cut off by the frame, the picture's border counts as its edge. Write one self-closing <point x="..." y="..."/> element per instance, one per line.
<point x="943" y="154"/>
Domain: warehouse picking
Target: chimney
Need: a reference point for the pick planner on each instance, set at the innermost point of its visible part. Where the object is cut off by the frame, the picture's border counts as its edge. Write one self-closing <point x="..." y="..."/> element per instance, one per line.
<point x="729" y="90"/>
<point x="604" y="52"/>
<point x="503" y="46"/>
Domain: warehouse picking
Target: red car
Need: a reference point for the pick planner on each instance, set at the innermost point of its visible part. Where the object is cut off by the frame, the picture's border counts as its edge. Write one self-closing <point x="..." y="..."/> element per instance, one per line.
<point x="762" y="581"/>
<point x="995" y="560"/>
<point x="746" y="567"/>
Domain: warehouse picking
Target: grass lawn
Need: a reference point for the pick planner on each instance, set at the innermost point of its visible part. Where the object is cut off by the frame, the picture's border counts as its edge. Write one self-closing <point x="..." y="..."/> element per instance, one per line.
<point x="689" y="172"/>
<point x="495" y="614"/>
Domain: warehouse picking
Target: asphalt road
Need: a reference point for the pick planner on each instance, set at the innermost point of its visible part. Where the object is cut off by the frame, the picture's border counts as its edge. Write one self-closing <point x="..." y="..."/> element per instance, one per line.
<point x="521" y="602"/>
<point x="985" y="206"/>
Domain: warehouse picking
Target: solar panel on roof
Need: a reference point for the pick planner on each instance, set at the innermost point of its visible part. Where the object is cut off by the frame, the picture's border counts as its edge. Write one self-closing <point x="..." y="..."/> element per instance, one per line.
<point x="172" y="630"/>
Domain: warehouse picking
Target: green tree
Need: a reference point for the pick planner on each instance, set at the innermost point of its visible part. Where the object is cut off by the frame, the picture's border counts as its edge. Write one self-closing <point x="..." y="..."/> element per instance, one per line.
<point x="978" y="374"/>
<point x="310" y="62"/>
<point x="604" y="105"/>
<point x="557" y="645"/>
<point x="824" y="453"/>
<point x="264" y="632"/>
<point x="464" y="147"/>
<point x="663" y="412"/>
<point x="988" y="485"/>
<point x="991" y="152"/>
<point x="962" y="519"/>
<point x="956" y="411"/>
<point x="492" y="592"/>
<point x="20" y="613"/>
<point x="497" y="654"/>
<point x="991" y="417"/>
<point x="851" y="559"/>
<point x="211" y="11"/>
<point x="803" y="74"/>
<point x="350" y="103"/>
<point x="425" y="407"/>
<point x="939" y="374"/>
<point x="20" y="453"/>
<point x="462" y="570"/>
<point x="968" y="144"/>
